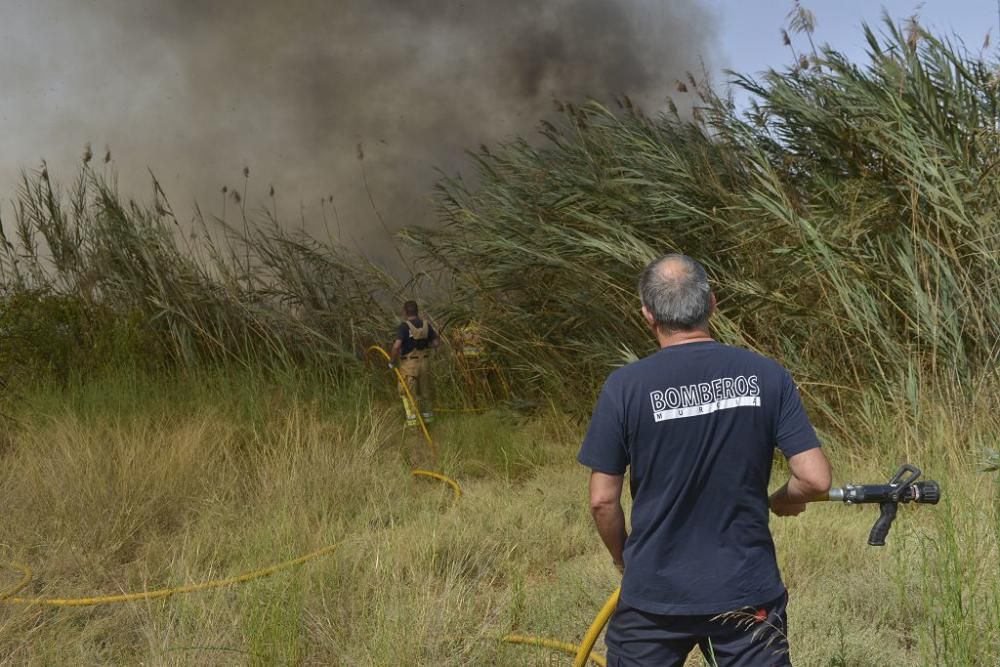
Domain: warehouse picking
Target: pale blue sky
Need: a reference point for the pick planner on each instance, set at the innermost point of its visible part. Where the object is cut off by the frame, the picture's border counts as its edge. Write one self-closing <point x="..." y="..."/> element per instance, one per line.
<point x="749" y="35"/>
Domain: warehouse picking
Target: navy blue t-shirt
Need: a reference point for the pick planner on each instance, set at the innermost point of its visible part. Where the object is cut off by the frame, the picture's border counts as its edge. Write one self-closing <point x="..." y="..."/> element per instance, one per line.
<point x="697" y="425"/>
<point x="409" y="342"/>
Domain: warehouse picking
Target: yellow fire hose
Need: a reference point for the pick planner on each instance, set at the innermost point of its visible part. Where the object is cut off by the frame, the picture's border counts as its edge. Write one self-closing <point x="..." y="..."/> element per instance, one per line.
<point x="10" y="596"/>
<point x="167" y="592"/>
<point x="16" y="588"/>
<point x="406" y="388"/>
<point x="455" y="488"/>
<point x="565" y="647"/>
<point x="582" y="652"/>
<point x="594" y="631"/>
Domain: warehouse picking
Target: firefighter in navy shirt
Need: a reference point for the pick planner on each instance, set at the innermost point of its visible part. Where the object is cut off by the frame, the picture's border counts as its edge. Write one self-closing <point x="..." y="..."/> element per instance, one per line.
<point x="411" y="350"/>
<point x="696" y="424"/>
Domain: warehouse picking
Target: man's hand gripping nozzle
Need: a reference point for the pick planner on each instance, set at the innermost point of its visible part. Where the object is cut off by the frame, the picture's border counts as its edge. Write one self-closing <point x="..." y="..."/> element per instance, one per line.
<point x="902" y="488"/>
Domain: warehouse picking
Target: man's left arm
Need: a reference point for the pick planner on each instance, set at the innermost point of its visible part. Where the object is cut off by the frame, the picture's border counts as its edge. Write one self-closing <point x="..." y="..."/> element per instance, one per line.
<point x="606" y="508"/>
<point x="796" y="438"/>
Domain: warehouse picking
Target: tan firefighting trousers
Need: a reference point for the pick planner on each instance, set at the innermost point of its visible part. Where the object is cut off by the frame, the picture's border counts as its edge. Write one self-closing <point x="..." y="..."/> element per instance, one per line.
<point x="415" y="369"/>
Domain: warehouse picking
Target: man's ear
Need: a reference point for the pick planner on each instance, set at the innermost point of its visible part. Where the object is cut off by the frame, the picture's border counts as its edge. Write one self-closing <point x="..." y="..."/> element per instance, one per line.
<point x="649" y="317"/>
<point x="713" y="303"/>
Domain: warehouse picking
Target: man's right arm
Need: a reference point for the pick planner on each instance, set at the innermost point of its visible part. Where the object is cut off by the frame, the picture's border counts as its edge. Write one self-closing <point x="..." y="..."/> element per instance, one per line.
<point x="603" y="451"/>
<point x="810" y="480"/>
<point x="606" y="508"/>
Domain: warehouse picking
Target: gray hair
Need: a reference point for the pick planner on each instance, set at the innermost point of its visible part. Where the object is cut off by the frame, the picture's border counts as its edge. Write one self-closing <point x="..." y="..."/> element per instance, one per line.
<point x="674" y="289"/>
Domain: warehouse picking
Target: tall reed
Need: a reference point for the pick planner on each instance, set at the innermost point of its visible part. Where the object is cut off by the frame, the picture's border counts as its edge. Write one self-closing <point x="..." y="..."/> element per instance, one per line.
<point x="848" y="220"/>
<point x="88" y="269"/>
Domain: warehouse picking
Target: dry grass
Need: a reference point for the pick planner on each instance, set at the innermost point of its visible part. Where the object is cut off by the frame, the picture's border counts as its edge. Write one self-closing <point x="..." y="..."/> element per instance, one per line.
<point x="850" y="224"/>
<point x="173" y="486"/>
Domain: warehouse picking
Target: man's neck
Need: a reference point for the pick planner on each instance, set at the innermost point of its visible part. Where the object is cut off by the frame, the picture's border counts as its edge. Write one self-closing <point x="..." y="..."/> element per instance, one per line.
<point x="671" y="338"/>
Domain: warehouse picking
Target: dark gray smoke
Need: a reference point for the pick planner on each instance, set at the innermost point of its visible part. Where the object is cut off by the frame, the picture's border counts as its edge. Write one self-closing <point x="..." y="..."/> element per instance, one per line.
<point x="197" y="89"/>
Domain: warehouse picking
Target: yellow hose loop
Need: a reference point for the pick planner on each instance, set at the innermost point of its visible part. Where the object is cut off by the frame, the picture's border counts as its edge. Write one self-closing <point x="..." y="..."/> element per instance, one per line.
<point x="167" y="592"/>
<point x="595" y="628"/>
<point x="16" y="588"/>
<point x="582" y="652"/>
<point x="406" y="388"/>
<point x="565" y="647"/>
<point x="455" y="488"/>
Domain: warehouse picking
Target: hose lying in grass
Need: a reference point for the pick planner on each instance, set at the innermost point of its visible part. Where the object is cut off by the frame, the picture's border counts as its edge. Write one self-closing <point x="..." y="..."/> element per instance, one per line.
<point x="455" y="488"/>
<point x="9" y="596"/>
<point x="167" y="592"/>
<point x="16" y="588"/>
<point x="565" y="647"/>
<point x="582" y="652"/>
<point x="594" y="631"/>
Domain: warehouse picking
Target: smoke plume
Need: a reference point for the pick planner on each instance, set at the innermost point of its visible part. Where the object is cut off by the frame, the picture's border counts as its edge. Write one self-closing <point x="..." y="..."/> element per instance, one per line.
<point x="197" y="90"/>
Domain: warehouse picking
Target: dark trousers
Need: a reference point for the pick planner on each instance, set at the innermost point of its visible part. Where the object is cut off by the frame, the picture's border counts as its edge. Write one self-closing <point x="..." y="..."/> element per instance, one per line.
<point x="749" y="637"/>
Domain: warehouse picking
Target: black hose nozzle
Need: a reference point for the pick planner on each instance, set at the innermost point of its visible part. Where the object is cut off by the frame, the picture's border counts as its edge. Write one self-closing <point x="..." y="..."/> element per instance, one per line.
<point x="902" y="488"/>
<point x="926" y="492"/>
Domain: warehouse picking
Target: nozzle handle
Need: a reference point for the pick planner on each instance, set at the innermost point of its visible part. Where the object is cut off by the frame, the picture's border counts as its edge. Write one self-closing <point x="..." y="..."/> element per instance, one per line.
<point x="881" y="528"/>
